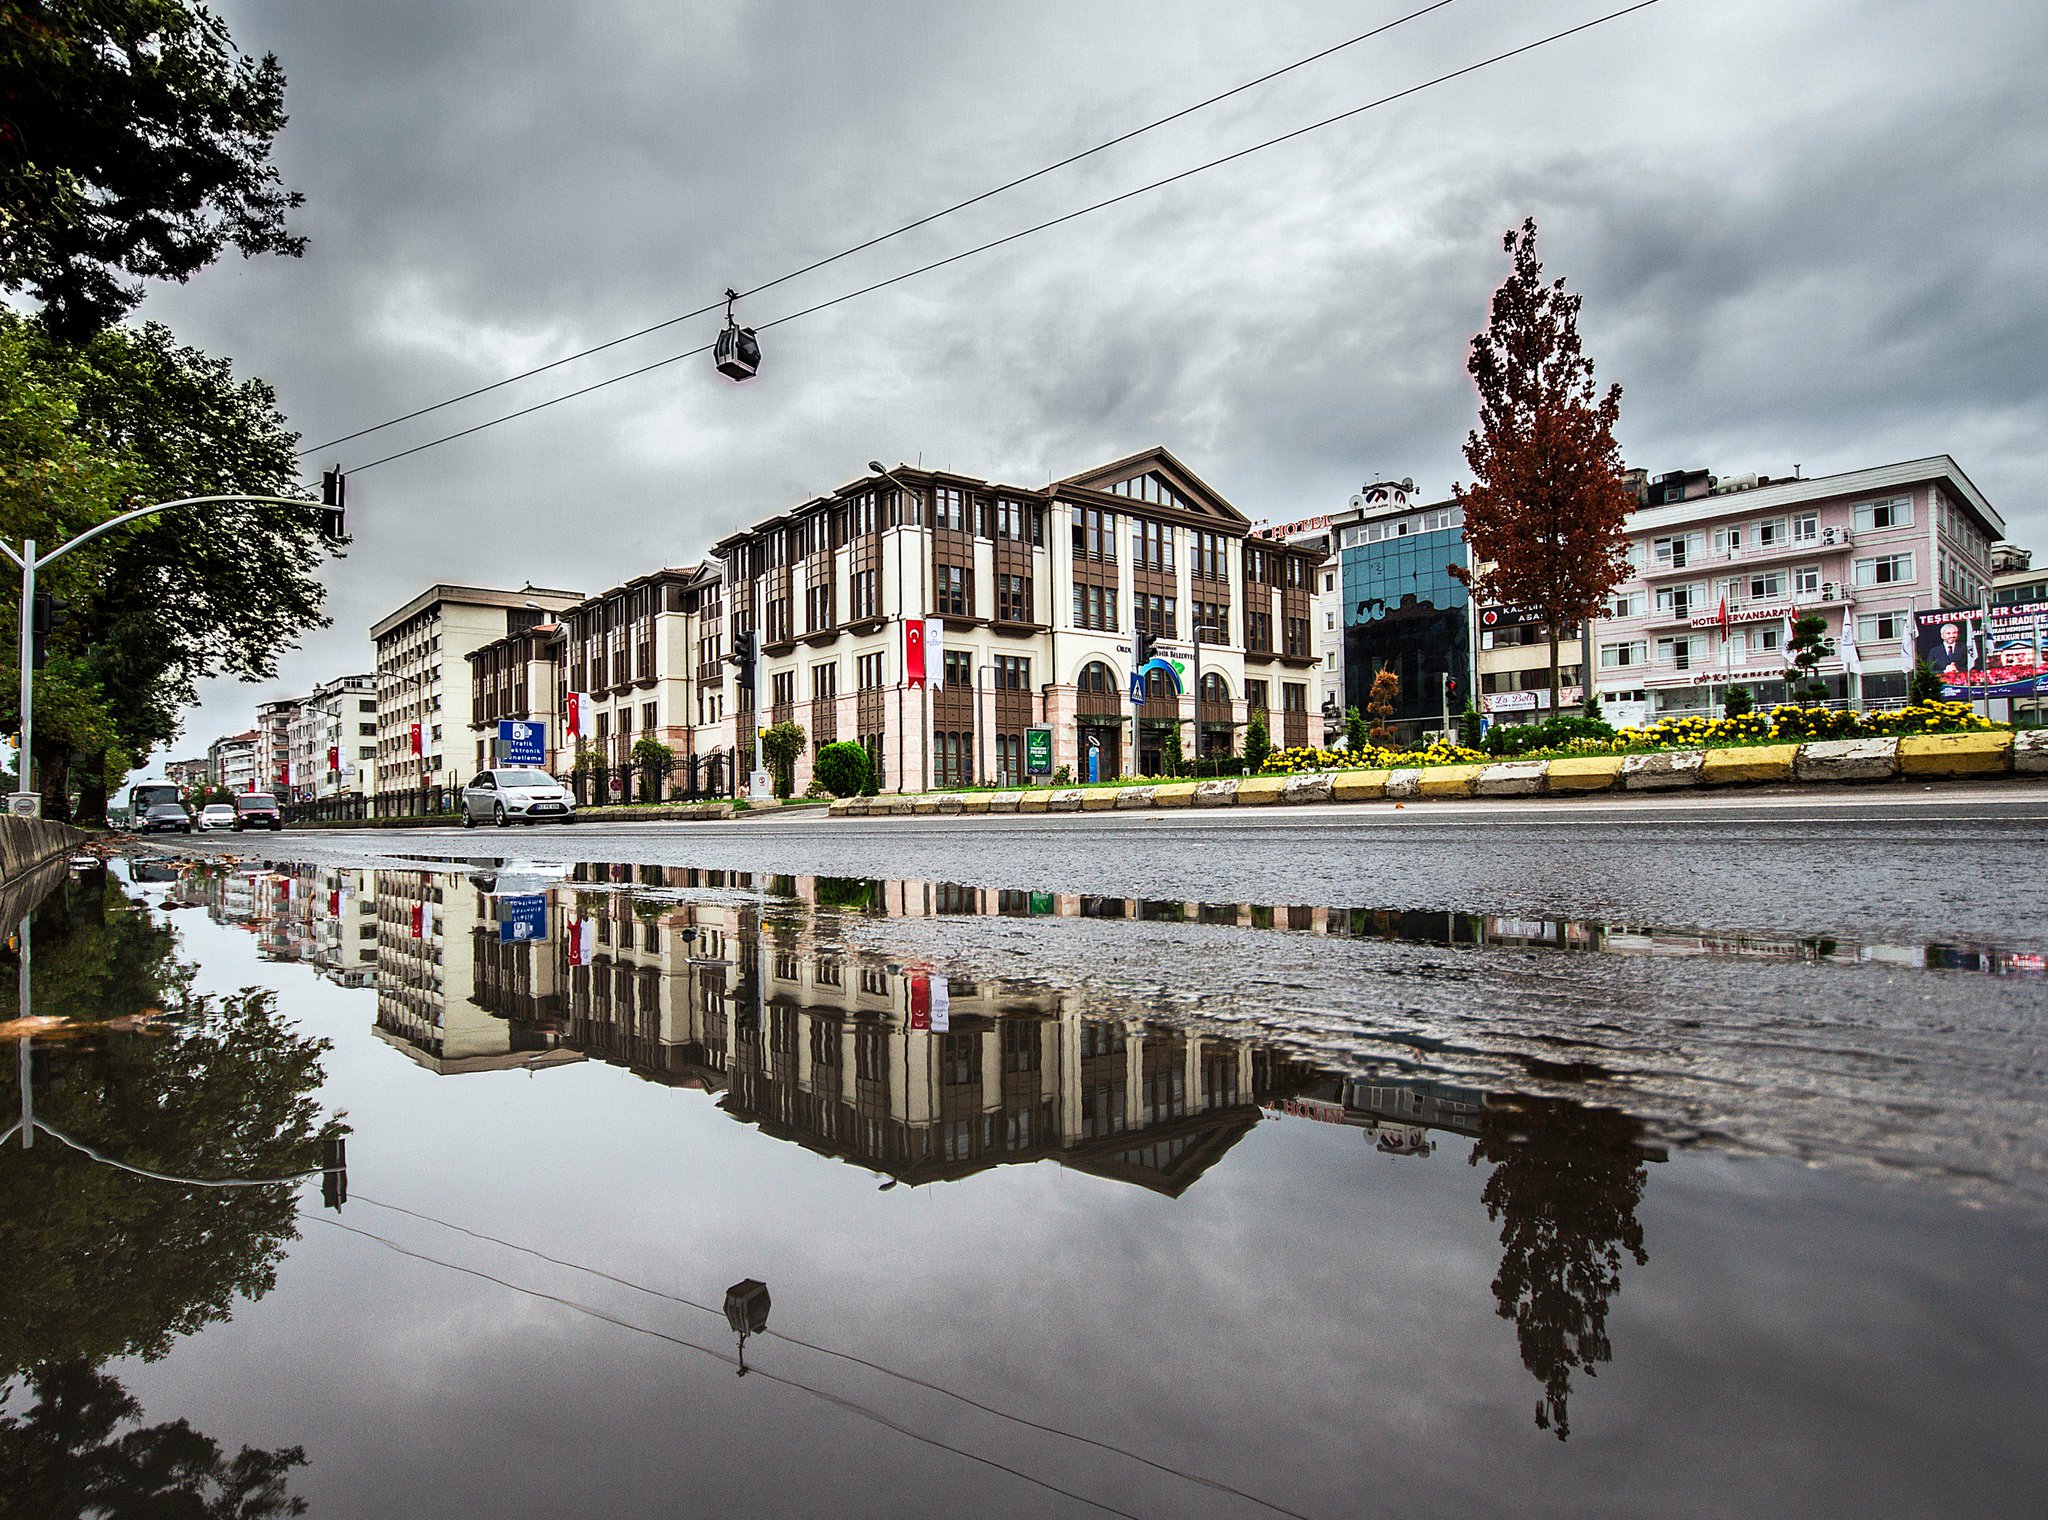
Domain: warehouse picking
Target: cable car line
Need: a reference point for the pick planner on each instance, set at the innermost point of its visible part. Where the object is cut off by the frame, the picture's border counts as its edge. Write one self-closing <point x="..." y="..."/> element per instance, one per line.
<point x="883" y="237"/>
<point x="994" y="243"/>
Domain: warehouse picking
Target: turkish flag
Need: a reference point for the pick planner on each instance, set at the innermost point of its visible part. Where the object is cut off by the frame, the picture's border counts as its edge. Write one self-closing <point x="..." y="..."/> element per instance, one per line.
<point x="334" y="902"/>
<point x="582" y="938"/>
<point x="334" y="757"/>
<point x="1724" y="617"/>
<point x="419" y="920"/>
<point x="913" y="652"/>
<point x="572" y="720"/>
<point x="416" y="740"/>
<point x="920" y="1000"/>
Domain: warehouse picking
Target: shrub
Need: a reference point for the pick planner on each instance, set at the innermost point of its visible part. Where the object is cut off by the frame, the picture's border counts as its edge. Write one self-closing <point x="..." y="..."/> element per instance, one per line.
<point x="1927" y="718"/>
<point x="780" y="746"/>
<point x="842" y="769"/>
<point x="1521" y="738"/>
<point x="1064" y="776"/>
<point x="1258" y="743"/>
<point x="1469" y="725"/>
<point x="1356" y="735"/>
<point x="1737" y="702"/>
<point x="1380" y="702"/>
<point x="1923" y="685"/>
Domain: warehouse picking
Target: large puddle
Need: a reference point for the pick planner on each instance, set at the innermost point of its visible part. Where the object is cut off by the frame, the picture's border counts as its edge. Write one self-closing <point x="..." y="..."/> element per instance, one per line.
<point x="469" y="1189"/>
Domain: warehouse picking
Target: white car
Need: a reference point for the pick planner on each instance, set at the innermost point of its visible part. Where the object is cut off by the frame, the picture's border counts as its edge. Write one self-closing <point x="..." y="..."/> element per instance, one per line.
<point x="507" y="797"/>
<point x="217" y="815"/>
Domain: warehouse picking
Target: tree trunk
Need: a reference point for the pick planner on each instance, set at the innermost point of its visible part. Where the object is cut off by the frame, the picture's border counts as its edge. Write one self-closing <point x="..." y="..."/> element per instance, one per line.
<point x="53" y="766"/>
<point x="1556" y="687"/>
<point x="92" y="791"/>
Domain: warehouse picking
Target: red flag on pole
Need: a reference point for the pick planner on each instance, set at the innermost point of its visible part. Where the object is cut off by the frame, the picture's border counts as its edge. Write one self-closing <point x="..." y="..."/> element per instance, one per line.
<point x="920" y="1000"/>
<point x="913" y="652"/>
<point x="416" y="740"/>
<point x="1724" y="618"/>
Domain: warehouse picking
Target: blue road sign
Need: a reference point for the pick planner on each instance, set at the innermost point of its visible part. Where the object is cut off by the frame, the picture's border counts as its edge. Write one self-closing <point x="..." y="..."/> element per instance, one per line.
<point x="523" y="920"/>
<point x="522" y="743"/>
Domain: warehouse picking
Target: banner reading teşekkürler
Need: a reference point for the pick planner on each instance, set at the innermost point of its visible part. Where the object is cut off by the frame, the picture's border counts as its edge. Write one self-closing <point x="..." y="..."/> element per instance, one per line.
<point x="2003" y="661"/>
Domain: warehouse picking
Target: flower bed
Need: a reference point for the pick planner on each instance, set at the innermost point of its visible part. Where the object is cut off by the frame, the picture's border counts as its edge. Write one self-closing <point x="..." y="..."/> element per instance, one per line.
<point x="1785" y="724"/>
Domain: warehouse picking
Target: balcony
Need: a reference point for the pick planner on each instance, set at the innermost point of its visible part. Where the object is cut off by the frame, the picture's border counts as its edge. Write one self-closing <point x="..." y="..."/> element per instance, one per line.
<point x="1708" y="562"/>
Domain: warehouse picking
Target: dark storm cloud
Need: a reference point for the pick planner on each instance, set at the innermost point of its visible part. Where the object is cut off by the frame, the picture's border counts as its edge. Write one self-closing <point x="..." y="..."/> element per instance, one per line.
<point x="1801" y="232"/>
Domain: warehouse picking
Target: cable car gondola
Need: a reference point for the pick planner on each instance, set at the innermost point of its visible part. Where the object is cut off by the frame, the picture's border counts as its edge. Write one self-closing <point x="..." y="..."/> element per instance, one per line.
<point x="738" y="352"/>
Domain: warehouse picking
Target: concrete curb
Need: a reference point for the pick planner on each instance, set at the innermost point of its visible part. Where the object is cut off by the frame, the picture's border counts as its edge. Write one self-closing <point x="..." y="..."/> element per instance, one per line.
<point x="26" y="843"/>
<point x="1818" y="762"/>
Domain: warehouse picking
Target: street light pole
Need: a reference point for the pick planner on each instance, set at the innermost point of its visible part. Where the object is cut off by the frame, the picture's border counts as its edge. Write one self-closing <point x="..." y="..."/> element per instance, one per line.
<point x="26" y="799"/>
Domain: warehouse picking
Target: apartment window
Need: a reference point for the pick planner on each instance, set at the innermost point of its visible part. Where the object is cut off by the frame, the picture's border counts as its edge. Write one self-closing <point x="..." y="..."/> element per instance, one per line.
<point x="1255" y="696"/>
<point x="1212" y="623"/>
<point x="1885" y="570"/>
<point x="648" y="722"/>
<point x="1011" y="519"/>
<point x="1805" y="527"/>
<point x="1153" y="614"/>
<point x="1258" y="631"/>
<point x="1095" y="608"/>
<point x="868" y="672"/>
<point x="1873" y="516"/>
<point x="824" y="681"/>
<point x="1680" y="601"/>
<point x="1013" y="672"/>
<point x="1728" y="540"/>
<point x="1765" y="587"/>
<point x="1806" y="581"/>
<point x="955" y="591"/>
<point x="1767" y="639"/>
<point x="1628" y="604"/>
<point x="1095" y="534"/>
<point x="1009" y="759"/>
<point x="1297" y="637"/>
<point x="818" y="607"/>
<point x="1013" y="598"/>
<point x="1151" y="545"/>
<point x="1880" y="627"/>
<point x="1294" y="697"/>
<point x="1680" y="653"/>
<point x="1211" y="561"/>
<point x="1678" y="550"/>
<point x="863" y="513"/>
<point x="1771" y="533"/>
<point x="1624" y="656"/>
<point x="782" y="688"/>
<point x="949" y="508"/>
<point x="959" y="669"/>
<point x="952" y="758"/>
<point x="861" y="590"/>
<point x="366" y="730"/>
<point x="778" y="630"/>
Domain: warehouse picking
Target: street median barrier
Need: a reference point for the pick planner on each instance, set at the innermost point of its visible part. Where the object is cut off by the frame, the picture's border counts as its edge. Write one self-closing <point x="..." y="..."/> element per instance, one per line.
<point x="1512" y="778"/>
<point x="1583" y="773"/>
<point x="1760" y="763"/>
<point x="1847" y="760"/>
<point x="1100" y="799"/>
<point x="1661" y="771"/>
<point x="1174" y="794"/>
<point x="1980" y="754"/>
<point x="1034" y="802"/>
<point x="1218" y="793"/>
<point x="2030" y="751"/>
<point x="1005" y="802"/>
<point x="1068" y="801"/>
<point x="1403" y="783"/>
<point x="1316" y="787"/>
<point x="1359" y="786"/>
<point x="1136" y="796"/>
<point x="1449" y="780"/>
<point x="1260" y="791"/>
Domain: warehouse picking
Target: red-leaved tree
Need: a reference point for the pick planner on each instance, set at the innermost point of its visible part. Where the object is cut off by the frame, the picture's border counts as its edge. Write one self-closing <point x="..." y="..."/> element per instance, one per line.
<point x="1546" y="514"/>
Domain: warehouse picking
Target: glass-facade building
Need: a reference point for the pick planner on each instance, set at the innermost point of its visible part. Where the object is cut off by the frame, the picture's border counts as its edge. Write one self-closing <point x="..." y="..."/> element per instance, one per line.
<point x="1405" y="611"/>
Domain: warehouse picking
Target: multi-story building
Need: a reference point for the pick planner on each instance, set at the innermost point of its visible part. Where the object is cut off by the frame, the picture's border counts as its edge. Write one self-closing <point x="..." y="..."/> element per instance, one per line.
<point x="1402" y="608"/>
<point x="1326" y="623"/>
<point x="231" y="761"/>
<point x="638" y="653"/>
<point x="2014" y="580"/>
<point x="423" y="676"/>
<point x="1036" y="594"/>
<point x="190" y="774"/>
<point x="518" y="677"/>
<point x="333" y="739"/>
<point x="274" y="744"/>
<point x="1871" y="546"/>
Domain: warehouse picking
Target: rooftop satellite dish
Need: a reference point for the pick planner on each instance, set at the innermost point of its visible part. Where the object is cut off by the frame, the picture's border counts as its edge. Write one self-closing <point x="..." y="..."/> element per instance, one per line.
<point x="1408" y="484"/>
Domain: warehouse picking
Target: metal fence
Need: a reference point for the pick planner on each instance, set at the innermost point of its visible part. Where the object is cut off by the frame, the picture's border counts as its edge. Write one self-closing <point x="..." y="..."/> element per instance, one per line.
<point x="692" y="778"/>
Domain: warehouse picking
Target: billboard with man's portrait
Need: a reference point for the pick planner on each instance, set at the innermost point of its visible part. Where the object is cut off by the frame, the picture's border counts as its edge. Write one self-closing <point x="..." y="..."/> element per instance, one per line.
<point x="1976" y="657"/>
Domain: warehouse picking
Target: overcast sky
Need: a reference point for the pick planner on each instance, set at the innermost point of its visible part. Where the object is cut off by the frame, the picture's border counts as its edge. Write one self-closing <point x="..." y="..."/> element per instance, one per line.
<point x="1806" y="235"/>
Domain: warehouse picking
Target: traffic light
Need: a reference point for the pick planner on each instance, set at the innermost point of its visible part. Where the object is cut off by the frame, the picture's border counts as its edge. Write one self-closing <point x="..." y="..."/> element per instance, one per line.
<point x="333" y="505"/>
<point x="1144" y="648"/>
<point x="47" y="614"/>
<point x="743" y="658"/>
<point x="334" y="1171"/>
<point x="1450" y="687"/>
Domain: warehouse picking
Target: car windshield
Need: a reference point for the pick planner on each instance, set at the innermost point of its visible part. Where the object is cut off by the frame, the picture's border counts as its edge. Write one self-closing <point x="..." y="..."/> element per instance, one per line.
<point x="255" y="800"/>
<point x="166" y="810"/>
<point x="525" y="778"/>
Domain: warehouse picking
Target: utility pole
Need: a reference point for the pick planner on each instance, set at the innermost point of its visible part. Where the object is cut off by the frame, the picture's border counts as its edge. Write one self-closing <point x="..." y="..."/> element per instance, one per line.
<point x="28" y="802"/>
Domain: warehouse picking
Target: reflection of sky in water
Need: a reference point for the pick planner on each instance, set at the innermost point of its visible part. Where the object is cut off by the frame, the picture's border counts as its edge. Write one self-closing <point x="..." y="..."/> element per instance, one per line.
<point x="1311" y="1316"/>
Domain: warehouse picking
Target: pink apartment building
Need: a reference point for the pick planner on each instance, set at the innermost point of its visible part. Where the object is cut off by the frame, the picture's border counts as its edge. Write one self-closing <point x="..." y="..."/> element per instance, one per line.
<point x="1864" y="549"/>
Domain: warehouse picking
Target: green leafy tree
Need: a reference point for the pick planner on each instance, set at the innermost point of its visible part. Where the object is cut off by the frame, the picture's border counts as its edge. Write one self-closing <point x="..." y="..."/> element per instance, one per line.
<point x="654" y="760"/>
<point x="1470" y="723"/>
<point x="1566" y="1183"/>
<point x="1808" y="646"/>
<point x="135" y="142"/>
<point x="842" y="768"/>
<point x="781" y="745"/>
<point x="1736" y="701"/>
<point x="159" y="605"/>
<point x="1258" y="742"/>
<point x="69" y="1454"/>
<point x="1172" y="761"/>
<point x="1357" y="732"/>
<point x="1923" y="684"/>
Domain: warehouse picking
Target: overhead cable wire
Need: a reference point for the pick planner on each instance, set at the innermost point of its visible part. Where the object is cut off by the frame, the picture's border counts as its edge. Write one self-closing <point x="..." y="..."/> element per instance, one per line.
<point x="103" y="1159"/>
<point x="994" y="243"/>
<point x="852" y="1406"/>
<point x="846" y="1356"/>
<point x="894" y="232"/>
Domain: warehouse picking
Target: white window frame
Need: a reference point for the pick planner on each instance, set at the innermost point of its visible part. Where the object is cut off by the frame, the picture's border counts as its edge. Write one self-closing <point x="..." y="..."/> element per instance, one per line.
<point x="1864" y="514"/>
<point x="1868" y="571"/>
<point x="1624" y="656"/>
<point x="1806" y="581"/>
<point x="1806" y="527"/>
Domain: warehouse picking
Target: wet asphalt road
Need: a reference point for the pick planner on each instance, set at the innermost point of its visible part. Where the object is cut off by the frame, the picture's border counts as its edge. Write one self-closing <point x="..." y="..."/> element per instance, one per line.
<point x="1955" y="863"/>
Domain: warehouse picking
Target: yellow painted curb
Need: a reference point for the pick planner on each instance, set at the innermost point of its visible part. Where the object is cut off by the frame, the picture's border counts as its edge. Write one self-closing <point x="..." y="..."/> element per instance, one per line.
<point x="1174" y="794"/>
<point x="1584" y="773"/>
<point x="1448" y="780"/>
<point x="1101" y="800"/>
<point x="1954" y="754"/>
<point x="974" y="802"/>
<point x="1359" y="786"/>
<point x="1257" y="791"/>
<point x="1034" y="801"/>
<point x="1763" y="762"/>
<point x="925" y="805"/>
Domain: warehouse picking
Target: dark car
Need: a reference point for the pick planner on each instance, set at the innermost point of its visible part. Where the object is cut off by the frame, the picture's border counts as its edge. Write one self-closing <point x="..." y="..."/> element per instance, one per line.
<point x="257" y="810"/>
<point x="165" y="818"/>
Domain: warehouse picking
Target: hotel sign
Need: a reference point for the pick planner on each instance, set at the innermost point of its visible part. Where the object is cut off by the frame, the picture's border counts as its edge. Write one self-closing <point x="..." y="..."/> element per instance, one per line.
<point x="1770" y="614"/>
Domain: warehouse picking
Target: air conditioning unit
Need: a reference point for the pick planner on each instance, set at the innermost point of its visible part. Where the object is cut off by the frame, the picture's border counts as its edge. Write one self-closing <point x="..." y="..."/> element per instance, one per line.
<point x="1830" y="591"/>
<point x="1831" y="535"/>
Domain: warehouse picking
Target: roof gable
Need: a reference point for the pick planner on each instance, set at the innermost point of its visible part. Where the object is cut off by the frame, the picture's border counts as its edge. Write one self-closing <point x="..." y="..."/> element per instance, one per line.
<point x="1156" y="478"/>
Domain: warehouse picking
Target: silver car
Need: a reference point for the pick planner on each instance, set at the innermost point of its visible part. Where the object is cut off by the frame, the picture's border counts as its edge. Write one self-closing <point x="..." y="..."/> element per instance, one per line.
<point x="506" y="797"/>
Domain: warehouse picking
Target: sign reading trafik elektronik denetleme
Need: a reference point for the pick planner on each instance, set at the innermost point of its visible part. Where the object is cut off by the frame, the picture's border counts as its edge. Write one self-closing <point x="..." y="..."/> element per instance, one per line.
<point x="521" y="743"/>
